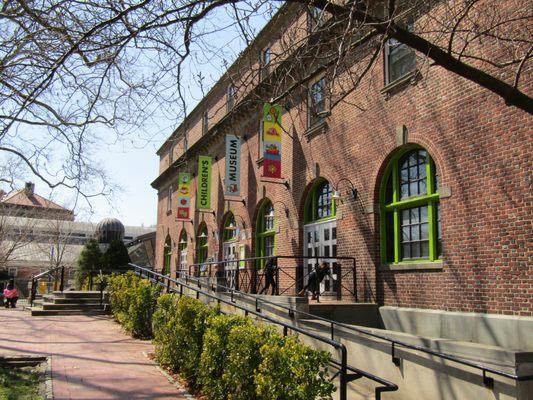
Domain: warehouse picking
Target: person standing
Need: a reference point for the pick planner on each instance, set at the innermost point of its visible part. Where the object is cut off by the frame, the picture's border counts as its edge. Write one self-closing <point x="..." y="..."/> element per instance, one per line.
<point x="11" y="294"/>
<point x="270" y="276"/>
<point x="315" y="278"/>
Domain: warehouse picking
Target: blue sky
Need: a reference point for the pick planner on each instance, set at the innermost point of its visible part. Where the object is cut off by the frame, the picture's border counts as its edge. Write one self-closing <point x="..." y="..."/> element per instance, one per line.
<point x="132" y="162"/>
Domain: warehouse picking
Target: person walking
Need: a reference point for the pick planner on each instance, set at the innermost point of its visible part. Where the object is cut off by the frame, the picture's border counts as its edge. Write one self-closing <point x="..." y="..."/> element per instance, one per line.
<point x="315" y="278"/>
<point x="11" y="294"/>
<point x="270" y="276"/>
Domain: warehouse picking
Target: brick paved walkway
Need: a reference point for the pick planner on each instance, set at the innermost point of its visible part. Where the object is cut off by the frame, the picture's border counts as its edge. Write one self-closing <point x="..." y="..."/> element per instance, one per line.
<point x="91" y="357"/>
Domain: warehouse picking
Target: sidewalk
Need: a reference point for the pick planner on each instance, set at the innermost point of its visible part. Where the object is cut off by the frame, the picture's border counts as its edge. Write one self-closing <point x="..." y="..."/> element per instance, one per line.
<point x="91" y="357"/>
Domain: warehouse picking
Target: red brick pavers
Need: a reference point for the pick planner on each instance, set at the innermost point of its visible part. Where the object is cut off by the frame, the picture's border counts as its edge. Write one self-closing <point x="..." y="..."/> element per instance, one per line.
<point x="91" y="357"/>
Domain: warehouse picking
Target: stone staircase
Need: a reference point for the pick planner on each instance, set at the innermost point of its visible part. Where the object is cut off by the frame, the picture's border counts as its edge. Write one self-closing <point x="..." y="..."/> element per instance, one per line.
<point x="70" y="303"/>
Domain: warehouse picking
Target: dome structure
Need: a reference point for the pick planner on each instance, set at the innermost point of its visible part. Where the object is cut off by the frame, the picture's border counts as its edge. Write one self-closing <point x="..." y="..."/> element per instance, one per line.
<point x="109" y="229"/>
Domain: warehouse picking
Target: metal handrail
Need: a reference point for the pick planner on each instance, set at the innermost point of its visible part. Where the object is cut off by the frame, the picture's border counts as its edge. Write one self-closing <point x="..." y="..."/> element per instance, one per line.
<point x="344" y="375"/>
<point x="33" y="289"/>
<point x="284" y="257"/>
<point x="487" y="381"/>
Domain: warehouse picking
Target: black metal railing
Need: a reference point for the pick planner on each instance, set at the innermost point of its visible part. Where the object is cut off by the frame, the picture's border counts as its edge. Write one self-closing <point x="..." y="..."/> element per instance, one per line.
<point x="55" y="280"/>
<point x="246" y="275"/>
<point x="394" y="344"/>
<point x="346" y="373"/>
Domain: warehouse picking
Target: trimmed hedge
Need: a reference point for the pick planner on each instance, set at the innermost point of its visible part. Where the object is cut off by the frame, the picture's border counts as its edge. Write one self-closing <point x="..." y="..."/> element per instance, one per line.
<point x="231" y="358"/>
<point x="132" y="301"/>
<point x="228" y="357"/>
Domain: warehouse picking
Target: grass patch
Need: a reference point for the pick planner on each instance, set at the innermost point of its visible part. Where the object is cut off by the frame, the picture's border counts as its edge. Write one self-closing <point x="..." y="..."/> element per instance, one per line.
<point x="19" y="383"/>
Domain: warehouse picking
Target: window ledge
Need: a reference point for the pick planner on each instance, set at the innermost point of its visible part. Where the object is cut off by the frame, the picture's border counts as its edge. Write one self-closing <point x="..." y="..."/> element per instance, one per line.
<point x="424" y="266"/>
<point x="410" y="78"/>
<point x="259" y="161"/>
<point x="316" y="129"/>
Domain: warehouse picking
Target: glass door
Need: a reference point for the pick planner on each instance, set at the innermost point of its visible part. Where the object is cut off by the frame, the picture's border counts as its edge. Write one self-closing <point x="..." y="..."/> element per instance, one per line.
<point x="321" y="241"/>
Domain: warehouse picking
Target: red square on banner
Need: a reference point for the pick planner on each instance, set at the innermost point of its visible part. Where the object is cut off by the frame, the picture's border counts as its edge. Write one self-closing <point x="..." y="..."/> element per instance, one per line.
<point x="271" y="168"/>
<point x="183" y="213"/>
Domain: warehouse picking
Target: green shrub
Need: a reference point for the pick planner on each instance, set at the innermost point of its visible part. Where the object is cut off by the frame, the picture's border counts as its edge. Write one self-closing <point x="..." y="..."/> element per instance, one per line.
<point x="132" y="301"/>
<point x="179" y="338"/>
<point x="290" y="370"/>
<point x="243" y="359"/>
<point x="215" y="354"/>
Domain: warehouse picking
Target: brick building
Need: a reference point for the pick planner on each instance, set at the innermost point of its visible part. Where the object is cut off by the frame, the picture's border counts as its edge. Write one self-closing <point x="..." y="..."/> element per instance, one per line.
<point x="423" y="177"/>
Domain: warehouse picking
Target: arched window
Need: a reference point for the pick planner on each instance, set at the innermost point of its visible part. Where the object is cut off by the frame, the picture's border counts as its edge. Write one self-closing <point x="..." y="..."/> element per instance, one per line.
<point x="201" y="244"/>
<point x="409" y="200"/>
<point x="320" y="204"/>
<point x="182" y="250"/>
<point x="265" y="232"/>
<point x="230" y="228"/>
<point x="167" y="254"/>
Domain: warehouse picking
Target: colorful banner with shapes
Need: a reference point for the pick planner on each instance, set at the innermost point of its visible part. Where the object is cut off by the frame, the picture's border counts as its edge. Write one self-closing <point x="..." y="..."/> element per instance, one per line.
<point x="203" y="193"/>
<point x="184" y="195"/>
<point x="232" y="181"/>
<point x="272" y="140"/>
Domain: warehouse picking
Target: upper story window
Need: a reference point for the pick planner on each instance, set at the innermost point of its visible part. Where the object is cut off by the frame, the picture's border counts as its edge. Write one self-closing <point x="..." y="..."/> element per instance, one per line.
<point x="317" y="102"/>
<point x="230" y="97"/>
<point x="171" y="155"/>
<point x="410" y="217"/>
<point x="400" y="59"/>
<point x="169" y="199"/>
<point x="185" y="142"/>
<point x="316" y="18"/>
<point x="205" y="122"/>
<point x="264" y="61"/>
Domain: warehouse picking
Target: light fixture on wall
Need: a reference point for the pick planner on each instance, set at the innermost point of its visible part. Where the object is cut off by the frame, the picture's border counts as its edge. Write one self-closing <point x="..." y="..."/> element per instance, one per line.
<point x="337" y="195"/>
<point x="202" y="235"/>
<point x="231" y="226"/>
<point x="182" y="241"/>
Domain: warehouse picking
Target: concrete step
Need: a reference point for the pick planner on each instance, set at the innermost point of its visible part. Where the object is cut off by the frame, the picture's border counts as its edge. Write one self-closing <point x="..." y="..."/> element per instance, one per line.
<point x="71" y="306"/>
<point x="74" y="300"/>
<point x="71" y="294"/>
<point x="41" y="312"/>
<point x="365" y="314"/>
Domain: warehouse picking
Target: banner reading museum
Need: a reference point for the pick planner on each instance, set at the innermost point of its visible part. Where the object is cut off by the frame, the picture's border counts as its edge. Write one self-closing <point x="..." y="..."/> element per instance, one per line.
<point x="203" y="193"/>
<point x="232" y="181"/>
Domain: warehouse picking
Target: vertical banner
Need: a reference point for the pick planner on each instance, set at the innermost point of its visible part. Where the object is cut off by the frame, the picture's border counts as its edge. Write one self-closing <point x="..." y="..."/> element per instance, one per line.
<point x="272" y="141"/>
<point x="203" y="195"/>
<point x="184" y="195"/>
<point x="232" y="181"/>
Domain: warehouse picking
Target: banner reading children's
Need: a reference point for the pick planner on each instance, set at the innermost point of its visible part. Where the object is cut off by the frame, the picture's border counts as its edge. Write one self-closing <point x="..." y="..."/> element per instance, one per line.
<point x="203" y="195"/>
<point x="184" y="195"/>
<point x="272" y="141"/>
<point x="232" y="181"/>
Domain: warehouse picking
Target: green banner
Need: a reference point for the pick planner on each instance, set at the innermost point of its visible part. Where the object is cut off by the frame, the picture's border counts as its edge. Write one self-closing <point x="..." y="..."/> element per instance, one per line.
<point x="203" y="193"/>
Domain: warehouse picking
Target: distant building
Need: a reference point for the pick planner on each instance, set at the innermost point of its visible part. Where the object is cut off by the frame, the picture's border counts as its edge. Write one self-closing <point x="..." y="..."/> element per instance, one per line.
<point x="37" y="234"/>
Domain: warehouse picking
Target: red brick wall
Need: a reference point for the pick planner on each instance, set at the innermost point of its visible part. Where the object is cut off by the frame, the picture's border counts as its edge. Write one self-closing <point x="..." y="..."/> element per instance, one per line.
<point x="482" y="149"/>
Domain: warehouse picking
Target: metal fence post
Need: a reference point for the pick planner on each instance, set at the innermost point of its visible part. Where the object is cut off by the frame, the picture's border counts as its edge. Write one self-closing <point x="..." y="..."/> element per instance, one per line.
<point x="62" y="283"/>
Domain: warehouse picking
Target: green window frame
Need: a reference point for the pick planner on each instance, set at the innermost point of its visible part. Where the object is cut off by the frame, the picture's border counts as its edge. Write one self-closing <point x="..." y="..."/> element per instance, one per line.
<point x="265" y="232"/>
<point x="201" y="244"/>
<point x="167" y="255"/>
<point x="182" y="243"/>
<point x="320" y="204"/>
<point x="230" y="228"/>
<point x="409" y="209"/>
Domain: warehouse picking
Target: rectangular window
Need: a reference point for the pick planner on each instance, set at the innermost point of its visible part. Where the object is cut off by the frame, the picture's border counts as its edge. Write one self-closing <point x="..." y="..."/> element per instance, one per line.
<point x="185" y="142"/>
<point x="264" y="62"/>
<point x="261" y="136"/>
<point x="169" y="199"/>
<point x="317" y="102"/>
<point x="230" y="99"/>
<point x="12" y="272"/>
<point x="415" y="233"/>
<point x="269" y="246"/>
<point x="316" y="18"/>
<point x="205" y="122"/>
<point x="171" y="155"/>
<point x="400" y="59"/>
